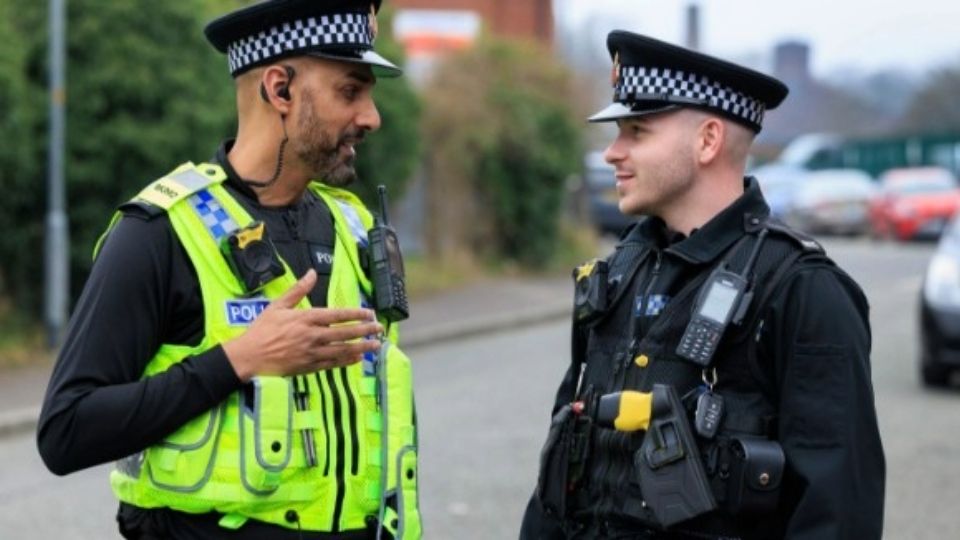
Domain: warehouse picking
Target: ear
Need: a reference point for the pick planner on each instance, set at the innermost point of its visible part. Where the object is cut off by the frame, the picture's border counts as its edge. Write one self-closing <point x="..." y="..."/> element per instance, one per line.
<point x="275" y="87"/>
<point x="710" y="139"/>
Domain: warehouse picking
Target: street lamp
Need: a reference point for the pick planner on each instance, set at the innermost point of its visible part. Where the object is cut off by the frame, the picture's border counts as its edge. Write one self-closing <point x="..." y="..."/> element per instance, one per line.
<point x="57" y="262"/>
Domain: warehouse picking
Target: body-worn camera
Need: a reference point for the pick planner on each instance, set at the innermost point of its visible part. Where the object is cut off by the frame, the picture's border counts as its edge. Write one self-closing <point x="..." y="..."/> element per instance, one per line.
<point x="252" y="257"/>
<point x="590" y="300"/>
<point x="389" y="290"/>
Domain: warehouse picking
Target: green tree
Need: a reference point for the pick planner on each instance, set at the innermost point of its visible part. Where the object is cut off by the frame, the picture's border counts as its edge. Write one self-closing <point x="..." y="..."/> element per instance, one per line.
<point x="506" y="132"/>
<point x="144" y="92"/>
<point x="934" y="107"/>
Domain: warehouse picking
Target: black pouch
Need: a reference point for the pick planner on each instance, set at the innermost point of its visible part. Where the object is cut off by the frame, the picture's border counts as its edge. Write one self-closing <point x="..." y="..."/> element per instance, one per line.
<point x="561" y="459"/>
<point x="756" y="471"/>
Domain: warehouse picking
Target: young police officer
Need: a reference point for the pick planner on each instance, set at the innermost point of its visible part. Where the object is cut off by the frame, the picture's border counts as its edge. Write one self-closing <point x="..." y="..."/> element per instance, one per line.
<point x="720" y="383"/>
<point x="223" y="351"/>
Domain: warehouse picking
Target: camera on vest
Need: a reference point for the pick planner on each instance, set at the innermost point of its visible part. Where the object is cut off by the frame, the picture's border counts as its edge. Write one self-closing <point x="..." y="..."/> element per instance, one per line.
<point x="252" y="256"/>
<point x="590" y="298"/>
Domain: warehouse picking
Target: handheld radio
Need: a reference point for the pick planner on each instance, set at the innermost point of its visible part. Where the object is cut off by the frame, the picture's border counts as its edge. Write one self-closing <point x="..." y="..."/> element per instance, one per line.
<point x="389" y="291"/>
<point x="722" y="299"/>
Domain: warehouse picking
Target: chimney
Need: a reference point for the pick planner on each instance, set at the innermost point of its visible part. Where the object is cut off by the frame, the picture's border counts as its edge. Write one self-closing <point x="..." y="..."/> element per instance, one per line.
<point x="693" y="26"/>
<point x="792" y="62"/>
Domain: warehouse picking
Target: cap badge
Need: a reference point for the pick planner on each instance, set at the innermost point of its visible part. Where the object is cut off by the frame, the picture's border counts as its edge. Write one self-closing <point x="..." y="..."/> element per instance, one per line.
<point x="373" y="22"/>
<point x="615" y="73"/>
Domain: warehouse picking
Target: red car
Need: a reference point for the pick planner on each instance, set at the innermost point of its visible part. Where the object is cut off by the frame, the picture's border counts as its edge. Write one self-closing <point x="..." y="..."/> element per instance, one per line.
<point x="914" y="203"/>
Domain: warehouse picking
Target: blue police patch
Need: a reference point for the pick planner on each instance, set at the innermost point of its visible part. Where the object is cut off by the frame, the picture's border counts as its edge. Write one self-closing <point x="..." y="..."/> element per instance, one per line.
<point x="656" y="304"/>
<point x="244" y="312"/>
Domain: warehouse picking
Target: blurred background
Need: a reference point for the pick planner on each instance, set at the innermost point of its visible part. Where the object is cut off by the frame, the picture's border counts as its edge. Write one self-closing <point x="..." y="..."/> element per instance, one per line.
<point x="489" y="164"/>
<point x="492" y="170"/>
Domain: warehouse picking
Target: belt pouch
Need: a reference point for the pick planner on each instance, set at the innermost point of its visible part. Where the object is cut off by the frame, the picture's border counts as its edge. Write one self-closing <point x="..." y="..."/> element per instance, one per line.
<point x="554" y="482"/>
<point x="756" y="471"/>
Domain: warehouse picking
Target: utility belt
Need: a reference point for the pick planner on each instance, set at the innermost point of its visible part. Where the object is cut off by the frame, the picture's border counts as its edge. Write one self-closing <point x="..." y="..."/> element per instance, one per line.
<point x="608" y="529"/>
<point x="157" y="523"/>
<point x="681" y="476"/>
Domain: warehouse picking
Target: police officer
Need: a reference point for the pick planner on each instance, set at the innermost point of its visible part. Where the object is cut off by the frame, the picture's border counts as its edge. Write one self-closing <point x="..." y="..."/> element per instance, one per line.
<point x="744" y="348"/>
<point x="224" y="351"/>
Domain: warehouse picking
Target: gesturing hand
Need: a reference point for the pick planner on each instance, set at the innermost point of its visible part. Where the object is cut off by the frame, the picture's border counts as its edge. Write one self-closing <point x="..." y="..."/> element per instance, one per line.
<point x="285" y="340"/>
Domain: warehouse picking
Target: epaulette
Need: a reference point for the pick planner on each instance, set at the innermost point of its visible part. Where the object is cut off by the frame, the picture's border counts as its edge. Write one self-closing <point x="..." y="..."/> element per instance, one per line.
<point x="141" y="209"/>
<point x="183" y="182"/>
<point x="803" y="240"/>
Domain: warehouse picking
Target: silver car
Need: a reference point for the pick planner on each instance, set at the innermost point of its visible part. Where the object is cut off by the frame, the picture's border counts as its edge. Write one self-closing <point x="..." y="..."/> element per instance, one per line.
<point x="832" y="201"/>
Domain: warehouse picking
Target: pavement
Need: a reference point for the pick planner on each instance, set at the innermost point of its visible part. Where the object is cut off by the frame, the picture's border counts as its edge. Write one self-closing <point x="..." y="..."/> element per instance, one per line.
<point x="486" y="307"/>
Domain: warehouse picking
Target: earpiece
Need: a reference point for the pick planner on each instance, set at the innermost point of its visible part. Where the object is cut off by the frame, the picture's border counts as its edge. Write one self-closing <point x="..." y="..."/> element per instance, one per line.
<point x="284" y="91"/>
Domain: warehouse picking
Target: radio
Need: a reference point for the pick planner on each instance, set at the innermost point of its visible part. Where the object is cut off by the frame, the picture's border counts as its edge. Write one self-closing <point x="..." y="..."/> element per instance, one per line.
<point x="389" y="290"/>
<point x="722" y="299"/>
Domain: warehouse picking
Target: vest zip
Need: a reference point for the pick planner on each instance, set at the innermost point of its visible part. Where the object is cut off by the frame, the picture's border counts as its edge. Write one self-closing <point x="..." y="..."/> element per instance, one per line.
<point x="639" y="329"/>
<point x="292" y="218"/>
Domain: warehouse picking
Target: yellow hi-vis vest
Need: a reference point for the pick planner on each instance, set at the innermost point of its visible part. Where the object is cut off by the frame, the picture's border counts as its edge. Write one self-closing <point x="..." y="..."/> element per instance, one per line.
<point x="246" y="458"/>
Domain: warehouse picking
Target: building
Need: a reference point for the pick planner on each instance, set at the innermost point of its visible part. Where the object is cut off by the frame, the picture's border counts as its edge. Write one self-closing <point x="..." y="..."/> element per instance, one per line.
<point x="532" y="19"/>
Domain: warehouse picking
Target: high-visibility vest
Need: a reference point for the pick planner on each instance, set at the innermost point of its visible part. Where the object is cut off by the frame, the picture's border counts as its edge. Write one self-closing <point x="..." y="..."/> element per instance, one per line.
<point x="246" y="457"/>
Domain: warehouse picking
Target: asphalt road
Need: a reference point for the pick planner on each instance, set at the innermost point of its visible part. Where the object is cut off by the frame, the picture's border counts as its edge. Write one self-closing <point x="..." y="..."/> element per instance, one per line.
<point x="483" y="405"/>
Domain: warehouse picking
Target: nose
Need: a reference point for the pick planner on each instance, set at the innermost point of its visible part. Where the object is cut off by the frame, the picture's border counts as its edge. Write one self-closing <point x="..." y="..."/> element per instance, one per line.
<point x="614" y="152"/>
<point x="369" y="116"/>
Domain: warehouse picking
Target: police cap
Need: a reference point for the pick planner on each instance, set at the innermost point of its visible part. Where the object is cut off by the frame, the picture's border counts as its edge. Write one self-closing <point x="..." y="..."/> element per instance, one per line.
<point x="651" y="76"/>
<point x="272" y="30"/>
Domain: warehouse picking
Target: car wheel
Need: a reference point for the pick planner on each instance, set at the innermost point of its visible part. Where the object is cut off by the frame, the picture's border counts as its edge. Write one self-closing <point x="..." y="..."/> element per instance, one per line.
<point x="934" y="375"/>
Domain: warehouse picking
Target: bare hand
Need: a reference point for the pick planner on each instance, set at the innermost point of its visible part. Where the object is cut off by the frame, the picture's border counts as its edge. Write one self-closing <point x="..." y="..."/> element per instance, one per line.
<point x="284" y="340"/>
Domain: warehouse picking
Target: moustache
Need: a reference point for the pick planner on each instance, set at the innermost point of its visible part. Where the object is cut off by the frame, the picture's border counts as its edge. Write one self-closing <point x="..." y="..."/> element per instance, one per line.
<point x="354" y="137"/>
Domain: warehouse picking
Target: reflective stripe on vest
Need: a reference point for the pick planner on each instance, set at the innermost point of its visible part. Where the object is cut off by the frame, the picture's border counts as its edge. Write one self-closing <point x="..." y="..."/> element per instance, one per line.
<point x="245" y="458"/>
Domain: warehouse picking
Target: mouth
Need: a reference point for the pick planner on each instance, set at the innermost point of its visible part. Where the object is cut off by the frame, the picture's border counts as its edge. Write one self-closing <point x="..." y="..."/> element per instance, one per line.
<point x="348" y="143"/>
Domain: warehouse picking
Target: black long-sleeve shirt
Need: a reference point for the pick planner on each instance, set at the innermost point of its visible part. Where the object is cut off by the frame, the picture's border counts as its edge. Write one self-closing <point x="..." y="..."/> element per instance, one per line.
<point x="143" y="291"/>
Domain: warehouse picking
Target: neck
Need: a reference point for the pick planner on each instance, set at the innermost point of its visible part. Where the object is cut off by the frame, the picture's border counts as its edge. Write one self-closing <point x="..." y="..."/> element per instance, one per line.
<point x="255" y="159"/>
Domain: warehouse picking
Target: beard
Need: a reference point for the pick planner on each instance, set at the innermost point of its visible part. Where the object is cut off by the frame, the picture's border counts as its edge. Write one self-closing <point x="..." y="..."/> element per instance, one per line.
<point x="320" y="151"/>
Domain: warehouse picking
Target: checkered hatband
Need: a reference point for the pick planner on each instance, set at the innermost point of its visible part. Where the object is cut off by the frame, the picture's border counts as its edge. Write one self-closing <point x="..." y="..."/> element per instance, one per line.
<point x="314" y="33"/>
<point x="640" y="84"/>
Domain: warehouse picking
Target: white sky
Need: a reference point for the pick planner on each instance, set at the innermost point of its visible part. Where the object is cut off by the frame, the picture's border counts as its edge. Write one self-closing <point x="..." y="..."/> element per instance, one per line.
<point x="863" y="35"/>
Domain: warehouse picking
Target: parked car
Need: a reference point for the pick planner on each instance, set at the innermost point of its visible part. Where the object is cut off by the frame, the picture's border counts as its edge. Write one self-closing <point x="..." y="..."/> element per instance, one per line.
<point x="940" y="310"/>
<point x="603" y="200"/>
<point x="831" y="201"/>
<point x="778" y="181"/>
<point x="914" y="203"/>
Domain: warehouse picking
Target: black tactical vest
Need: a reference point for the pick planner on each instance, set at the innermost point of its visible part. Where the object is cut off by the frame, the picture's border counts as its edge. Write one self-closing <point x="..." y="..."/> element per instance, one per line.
<point x="625" y="357"/>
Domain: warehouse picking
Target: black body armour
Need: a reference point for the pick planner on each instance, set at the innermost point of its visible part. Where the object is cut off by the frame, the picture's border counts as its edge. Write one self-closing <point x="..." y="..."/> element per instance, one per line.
<point x="627" y="352"/>
<point x="304" y="235"/>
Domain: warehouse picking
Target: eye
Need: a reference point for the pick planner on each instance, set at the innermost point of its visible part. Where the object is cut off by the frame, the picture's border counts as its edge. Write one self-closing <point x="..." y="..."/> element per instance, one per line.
<point x="351" y="92"/>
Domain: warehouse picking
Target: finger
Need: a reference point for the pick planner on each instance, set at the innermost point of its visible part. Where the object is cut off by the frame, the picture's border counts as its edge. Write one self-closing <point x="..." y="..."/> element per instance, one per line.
<point x="342" y="333"/>
<point x="339" y="362"/>
<point x="297" y="291"/>
<point x="331" y="316"/>
<point x="343" y="352"/>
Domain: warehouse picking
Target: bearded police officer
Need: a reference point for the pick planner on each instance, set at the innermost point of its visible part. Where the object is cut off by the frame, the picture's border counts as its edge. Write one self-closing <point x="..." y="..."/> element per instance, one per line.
<point x="224" y="351"/>
<point x="720" y="382"/>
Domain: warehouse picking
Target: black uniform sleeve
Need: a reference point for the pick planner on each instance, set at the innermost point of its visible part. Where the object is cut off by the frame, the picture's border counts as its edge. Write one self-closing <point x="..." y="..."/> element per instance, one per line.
<point x="820" y="340"/>
<point x="142" y="291"/>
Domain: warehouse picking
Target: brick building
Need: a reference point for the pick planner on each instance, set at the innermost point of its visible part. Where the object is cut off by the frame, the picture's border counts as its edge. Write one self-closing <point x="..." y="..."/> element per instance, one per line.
<point x="510" y="18"/>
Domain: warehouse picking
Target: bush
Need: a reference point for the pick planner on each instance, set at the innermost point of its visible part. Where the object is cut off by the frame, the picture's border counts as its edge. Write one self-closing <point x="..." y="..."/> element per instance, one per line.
<point x="505" y="134"/>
